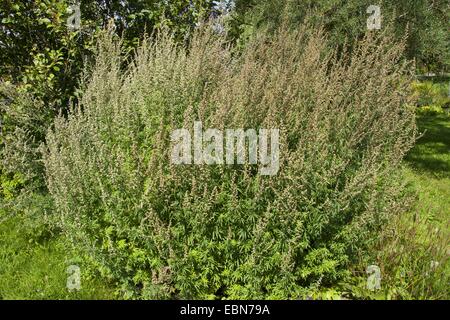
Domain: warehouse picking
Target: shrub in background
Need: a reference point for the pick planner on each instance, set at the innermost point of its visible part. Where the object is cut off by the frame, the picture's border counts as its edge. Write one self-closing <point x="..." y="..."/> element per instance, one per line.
<point x="429" y="93"/>
<point x="210" y="231"/>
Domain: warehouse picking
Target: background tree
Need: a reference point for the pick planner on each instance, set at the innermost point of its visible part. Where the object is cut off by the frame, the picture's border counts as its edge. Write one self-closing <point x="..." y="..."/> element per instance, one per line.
<point x="426" y="22"/>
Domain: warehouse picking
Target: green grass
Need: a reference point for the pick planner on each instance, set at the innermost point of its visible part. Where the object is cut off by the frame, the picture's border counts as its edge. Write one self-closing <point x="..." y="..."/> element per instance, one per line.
<point x="37" y="270"/>
<point x="414" y="248"/>
<point x="429" y="169"/>
<point x="430" y="157"/>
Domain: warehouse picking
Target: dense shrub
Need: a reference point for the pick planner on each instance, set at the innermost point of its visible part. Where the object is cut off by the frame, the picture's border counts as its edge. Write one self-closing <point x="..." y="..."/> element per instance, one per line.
<point x="208" y="231"/>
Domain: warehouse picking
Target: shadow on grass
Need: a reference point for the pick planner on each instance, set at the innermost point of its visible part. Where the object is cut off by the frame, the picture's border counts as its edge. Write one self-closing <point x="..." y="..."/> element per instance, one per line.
<point x="431" y="155"/>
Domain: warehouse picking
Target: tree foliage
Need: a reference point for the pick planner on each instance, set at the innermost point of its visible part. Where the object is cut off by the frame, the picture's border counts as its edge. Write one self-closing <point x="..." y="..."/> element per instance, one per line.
<point x="426" y="23"/>
<point x="223" y="231"/>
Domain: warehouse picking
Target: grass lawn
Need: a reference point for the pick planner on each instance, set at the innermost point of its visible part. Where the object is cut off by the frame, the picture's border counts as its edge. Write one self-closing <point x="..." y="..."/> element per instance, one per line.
<point x="414" y="251"/>
<point x="429" y="167"/>
<point x="38" y="270"/>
